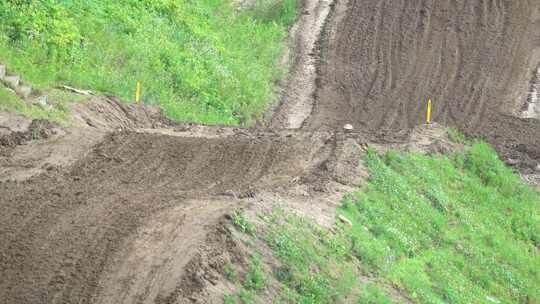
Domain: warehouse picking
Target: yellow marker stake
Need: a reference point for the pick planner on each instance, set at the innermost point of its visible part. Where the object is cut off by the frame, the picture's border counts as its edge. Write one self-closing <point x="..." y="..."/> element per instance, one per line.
<point x="428" y="114"/>
<point x="138" y="92"/>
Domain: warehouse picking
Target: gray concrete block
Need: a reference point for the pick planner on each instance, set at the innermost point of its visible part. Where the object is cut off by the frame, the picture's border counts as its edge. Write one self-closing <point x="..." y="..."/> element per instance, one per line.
<point x="12" y="81"/>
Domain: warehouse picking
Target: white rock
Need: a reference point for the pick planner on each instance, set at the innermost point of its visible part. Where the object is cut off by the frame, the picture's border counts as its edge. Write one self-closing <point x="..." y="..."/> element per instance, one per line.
<point x="512" y="162"/>
<point x="12" y="81"/>
<point x="42" y="101"/>
<point x="348" y="127"/>
<point x="2" y="71"/>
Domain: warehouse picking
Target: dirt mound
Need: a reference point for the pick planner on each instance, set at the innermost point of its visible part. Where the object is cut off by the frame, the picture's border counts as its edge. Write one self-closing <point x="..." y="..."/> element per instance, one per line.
<point x="133" y="211"/>
<point x="24" y="153"/>
<point x="38" y="129"/>
<point x="381" y="60"/>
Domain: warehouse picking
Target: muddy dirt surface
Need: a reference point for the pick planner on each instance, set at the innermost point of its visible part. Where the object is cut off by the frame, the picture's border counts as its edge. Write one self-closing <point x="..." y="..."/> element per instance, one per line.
<point x="124" y="206"/>
<point x="296" y="98"/>
<point x="381" y="60"/>
<point x="37" y="129"/>
<point x="129" y="219"/>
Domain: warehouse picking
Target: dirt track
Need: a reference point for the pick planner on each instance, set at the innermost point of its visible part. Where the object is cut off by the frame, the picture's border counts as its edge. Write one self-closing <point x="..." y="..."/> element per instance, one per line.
<point x="125" y="207"/>
<point x="381" y="60"/>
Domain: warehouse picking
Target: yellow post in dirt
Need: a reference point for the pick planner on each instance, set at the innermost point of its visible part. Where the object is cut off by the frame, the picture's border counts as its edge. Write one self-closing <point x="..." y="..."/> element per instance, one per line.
<point x="138" y="92"/>
<point x="428" y="114"/>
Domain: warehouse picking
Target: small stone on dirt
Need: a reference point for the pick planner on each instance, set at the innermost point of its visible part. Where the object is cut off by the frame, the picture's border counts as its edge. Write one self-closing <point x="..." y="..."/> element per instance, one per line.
<point x="512" y="162"/>
<point x="537" y="169"/>
<point x="348" y="127"/>
<point x="229" y="193"/>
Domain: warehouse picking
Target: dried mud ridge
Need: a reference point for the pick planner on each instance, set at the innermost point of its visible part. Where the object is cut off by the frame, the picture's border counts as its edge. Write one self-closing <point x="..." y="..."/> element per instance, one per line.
<point x="125" y="206"/>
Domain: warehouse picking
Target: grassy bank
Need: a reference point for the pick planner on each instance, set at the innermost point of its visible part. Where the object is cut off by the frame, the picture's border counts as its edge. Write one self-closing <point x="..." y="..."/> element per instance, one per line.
<point x="425" y="229"/>
<point x="10" y="102"/>
<point x="202" y="61"/>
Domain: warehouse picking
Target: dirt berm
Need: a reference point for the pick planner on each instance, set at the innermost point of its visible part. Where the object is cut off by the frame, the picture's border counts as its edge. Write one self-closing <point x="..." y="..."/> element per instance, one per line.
<point x="125" y="216"/>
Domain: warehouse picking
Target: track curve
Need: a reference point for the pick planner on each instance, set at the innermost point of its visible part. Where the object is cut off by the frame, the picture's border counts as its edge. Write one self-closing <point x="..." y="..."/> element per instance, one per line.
<point x="380" y="60"/>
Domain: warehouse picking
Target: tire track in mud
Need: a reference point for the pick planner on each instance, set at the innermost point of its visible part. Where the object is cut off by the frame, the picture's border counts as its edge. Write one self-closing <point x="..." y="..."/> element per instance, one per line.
<point x="129" y="221"/>
<point x="380" y="60"/>
<point x="121" y="223"/>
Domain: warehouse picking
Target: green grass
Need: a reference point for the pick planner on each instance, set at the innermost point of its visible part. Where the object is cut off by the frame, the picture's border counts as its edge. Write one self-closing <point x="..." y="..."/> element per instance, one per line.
<point x="456" y="136"/>
<point x="202" y="61"/>
<point x="255" y="278"/>
<point x="460" y="229"/>
<point x="9" y="102"/>
<point x="434" y="229"/>
<point x="316" y="266"/>
<point x="253" y="281"/>
<point x="240" y="221"/>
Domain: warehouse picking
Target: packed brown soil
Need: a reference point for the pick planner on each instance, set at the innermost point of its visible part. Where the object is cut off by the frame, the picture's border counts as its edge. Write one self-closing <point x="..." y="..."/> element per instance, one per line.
<point x="129" y="221"/>
<point x="381" y="60"/>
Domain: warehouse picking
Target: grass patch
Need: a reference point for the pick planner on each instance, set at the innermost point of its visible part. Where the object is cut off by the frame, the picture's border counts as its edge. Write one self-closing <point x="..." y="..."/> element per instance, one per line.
<point x="463" y="229"/>
<point x="202" y="61"/>
<point x="316" y="266"/>
<point x="229" y="299"/>
<point x="230" y="273"/>
<point x="240" y="221"/>
<point x="374" y="294"/>
<point x="255" y="278"/>
<point x="432" y="229"/>
<point x="9" y="102"/>
<point x="456" y="136"/>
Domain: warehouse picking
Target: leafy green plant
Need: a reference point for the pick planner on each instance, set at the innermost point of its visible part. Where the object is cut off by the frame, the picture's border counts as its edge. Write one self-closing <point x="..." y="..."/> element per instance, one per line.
<point x="240" y="221"/>
<point x="255" y="277"/>
<point x="229" y="299"/>
<point x="456" y="136"/>
<point x="230" y="272"/>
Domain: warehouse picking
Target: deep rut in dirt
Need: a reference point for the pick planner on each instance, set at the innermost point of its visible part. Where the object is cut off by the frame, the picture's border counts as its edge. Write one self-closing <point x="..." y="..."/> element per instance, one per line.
<point x="127" y="207"/>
